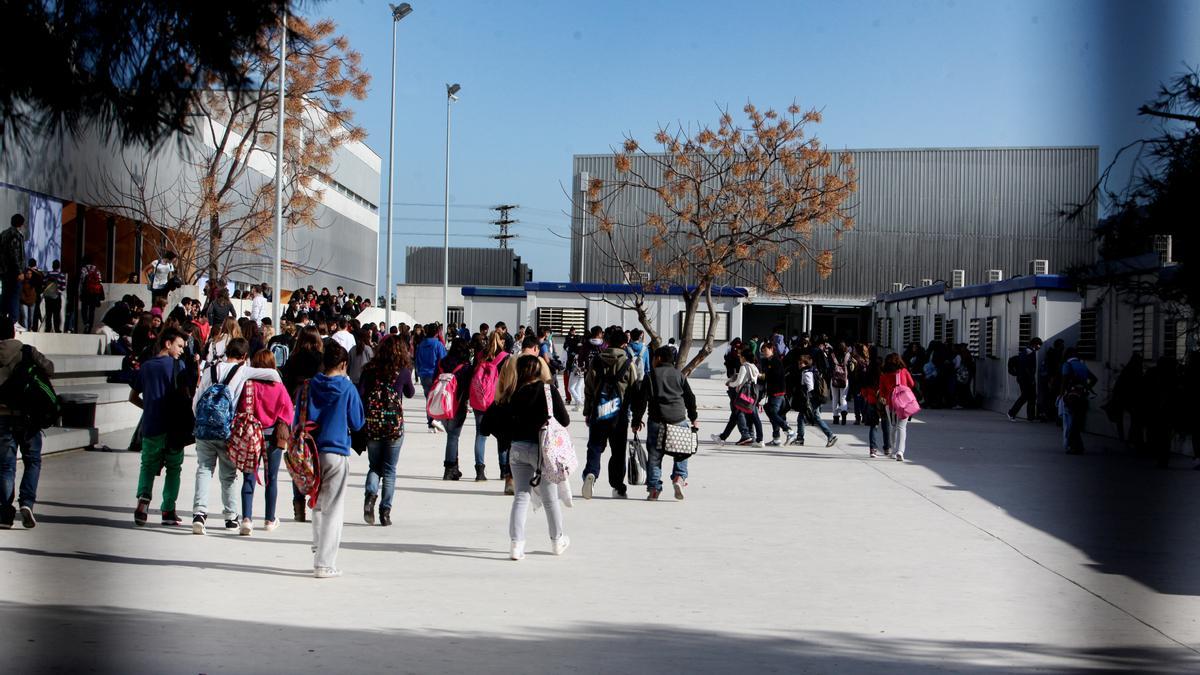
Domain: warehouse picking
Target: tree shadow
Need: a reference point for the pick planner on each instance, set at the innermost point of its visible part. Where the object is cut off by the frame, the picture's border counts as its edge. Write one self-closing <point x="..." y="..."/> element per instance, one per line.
<point x="126" y="560"/>
<point x="68" y="638"/>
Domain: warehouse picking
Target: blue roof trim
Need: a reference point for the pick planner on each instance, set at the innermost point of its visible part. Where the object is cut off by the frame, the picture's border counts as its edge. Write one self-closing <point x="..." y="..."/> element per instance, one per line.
<point x="1049" y="282"/>
<point x="557" y="287"/>
<point x="484" y="292"/>
<point x="915" y="292"/>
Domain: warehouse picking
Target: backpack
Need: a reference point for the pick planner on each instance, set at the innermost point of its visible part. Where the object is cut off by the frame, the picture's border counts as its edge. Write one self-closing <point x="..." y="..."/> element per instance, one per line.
<point x="820" y="392"/>
<point x="442" y="403"/>
<point x="963" y="374"/>
<point x="1014" y="365"/>
<point x="840" y="377"/>
<point x="28" y="390"/>
<point x="214" y="410"/>
<point x="608" y="399"/>
<point x="483" y="382"/>
<point x="52" y="291"/>
<point x="639" y="368"/>
<point x="93" y="283"/>
<point x="302" y="459"/>
<point x="556" y="459"/>
<point x="904" y="401"/>
<point x="281" y="352"/>
<point x="246" y="435"/>
<point x="385" y="413"/>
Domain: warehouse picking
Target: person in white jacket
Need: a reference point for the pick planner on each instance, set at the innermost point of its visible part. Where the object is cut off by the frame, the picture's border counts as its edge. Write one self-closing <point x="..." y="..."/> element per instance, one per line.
<point x="210" y="452"/>
<point x="748" y="374"/>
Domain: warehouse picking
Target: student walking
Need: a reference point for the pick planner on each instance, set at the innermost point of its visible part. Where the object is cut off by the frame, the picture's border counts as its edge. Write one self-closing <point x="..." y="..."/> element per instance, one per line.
<point x="274" y="410"/>
<point x="895" y="375"/>
<point x="665" y="394"/>
<point x="807" y="400"/>
<point x="303" y="364"/>
<point x="839" y="381"/>
<point x="484" y="382"/>
<point x="158" y="275"/>
<point x="875" y="413"/>
<point x="519" y="420"/>
<point x="606" y="410"/>
<point x="737" y="419"/>
<point x="159" y="391"/>
<point x="1076" y="382"/>
<point x="457" y="363"/>
<point x="429" y="353"/>
<point x="53" y="289"/>
<point x="746" y="383"/>
<point x="775" y="381"/>
<point x="17" y="433"/>
<point x="334" y="405"/>
<point x="91" y="292"/>
<point x="1023" y="366"/>
<point x="386" y="382"/>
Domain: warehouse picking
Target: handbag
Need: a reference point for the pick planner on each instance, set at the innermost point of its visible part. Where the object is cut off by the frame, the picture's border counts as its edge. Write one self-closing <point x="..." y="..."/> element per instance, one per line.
<point x="181" y="421"/>
<point x="637" y="461"/>
<point x="676" y="441"/>
<point x="745" y="399"/>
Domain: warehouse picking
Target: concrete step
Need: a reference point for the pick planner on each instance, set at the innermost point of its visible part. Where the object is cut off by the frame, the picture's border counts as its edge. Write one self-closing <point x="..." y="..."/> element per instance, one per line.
<point x="86" y="380"/>
<point x="113" y="409"/>
<point x="66" y="343"/>
<point x="59" y="439"/>
<point x="77" y="365"/>
<point x="104" y="391"/>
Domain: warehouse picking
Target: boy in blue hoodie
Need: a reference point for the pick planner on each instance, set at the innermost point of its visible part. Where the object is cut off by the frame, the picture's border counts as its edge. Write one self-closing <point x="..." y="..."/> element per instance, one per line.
<point x="334" y="405"/>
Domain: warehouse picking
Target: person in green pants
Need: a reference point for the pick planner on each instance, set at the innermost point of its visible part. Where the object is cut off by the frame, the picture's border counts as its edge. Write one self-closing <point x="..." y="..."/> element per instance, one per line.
<point x="156" y="380"/>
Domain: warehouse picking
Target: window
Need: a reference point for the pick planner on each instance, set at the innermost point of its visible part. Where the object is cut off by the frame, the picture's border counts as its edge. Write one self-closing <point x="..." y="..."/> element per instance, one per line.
<point x="1143" y="331"/>
<point x="455" y="316"/>
<point x="700" y="326"/>
<point x="911" y="331"/>
<point x="883" y="332"/>
<point x="951" y="335"/>
<point x="1088" y="334"/>
<point x="974" y="340"/>
<point x="991" y="345"/>
<point x="562" y="319"/>
<point x="1025" y="330"/>
<point x="939" y="327"/>
<point x="1174" y="338"/>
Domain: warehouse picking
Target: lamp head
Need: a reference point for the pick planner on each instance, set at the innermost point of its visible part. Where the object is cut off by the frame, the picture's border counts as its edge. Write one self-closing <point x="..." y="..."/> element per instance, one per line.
<point x="452" y="91"/>
<point x="400" y="11"/>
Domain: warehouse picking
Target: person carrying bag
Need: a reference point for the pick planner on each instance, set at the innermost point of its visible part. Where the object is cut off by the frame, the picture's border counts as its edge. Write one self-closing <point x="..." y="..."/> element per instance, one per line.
<point x="671" y="406"/>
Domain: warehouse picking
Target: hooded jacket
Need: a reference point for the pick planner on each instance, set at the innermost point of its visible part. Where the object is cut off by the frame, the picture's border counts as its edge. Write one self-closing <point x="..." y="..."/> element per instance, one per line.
<point x="607" y="365"/>
<point x="10" y="356"/>
<point x="334" y="404"/>
<point x="665" y="392"/>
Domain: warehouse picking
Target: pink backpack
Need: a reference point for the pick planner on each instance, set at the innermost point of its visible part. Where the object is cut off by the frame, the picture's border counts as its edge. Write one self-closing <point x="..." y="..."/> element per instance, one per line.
<point x="904" y="401"/>
<point x="483" y="382"/>
<point x="443" y="397"/>
<point x="557" y="454"/>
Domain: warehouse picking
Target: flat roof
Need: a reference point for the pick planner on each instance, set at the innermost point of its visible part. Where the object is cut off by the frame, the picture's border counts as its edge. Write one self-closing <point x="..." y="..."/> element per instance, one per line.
<point x="1050" y="282"/>
<point x="616" y="289"/>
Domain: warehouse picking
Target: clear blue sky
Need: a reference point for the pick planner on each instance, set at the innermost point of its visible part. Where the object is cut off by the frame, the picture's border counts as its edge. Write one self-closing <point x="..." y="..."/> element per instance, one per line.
<point x="545" y="80"/>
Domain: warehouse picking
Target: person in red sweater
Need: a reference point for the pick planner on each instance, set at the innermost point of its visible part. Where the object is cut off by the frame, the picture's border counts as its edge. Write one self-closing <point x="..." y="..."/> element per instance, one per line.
<point x="274" y="410"/>
<point x="875" y="413"/>
<point x="895" y="374"/>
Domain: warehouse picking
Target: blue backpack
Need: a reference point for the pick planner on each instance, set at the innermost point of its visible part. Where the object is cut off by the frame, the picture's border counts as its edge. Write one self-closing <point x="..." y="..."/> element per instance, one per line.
<point x="214" y="411"/>
<point x="281" y="353"/>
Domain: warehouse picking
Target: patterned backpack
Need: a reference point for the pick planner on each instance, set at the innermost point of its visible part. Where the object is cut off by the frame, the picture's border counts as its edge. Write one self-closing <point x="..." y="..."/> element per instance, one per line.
<point x="385" y="413"/>
<point x="557" y="459"/>
<point x="303" y="462"/>
<point x="246" y="440"/>
<point x="214" y="410"/>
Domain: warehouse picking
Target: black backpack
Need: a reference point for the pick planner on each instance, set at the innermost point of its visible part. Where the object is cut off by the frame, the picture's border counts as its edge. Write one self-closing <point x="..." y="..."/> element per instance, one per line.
<point x="1014" y="365"/>
<point x="28" y="389"/>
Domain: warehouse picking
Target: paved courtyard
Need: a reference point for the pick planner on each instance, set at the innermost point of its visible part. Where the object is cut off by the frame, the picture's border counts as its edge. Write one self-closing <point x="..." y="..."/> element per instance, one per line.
<point x="990" y="551"/>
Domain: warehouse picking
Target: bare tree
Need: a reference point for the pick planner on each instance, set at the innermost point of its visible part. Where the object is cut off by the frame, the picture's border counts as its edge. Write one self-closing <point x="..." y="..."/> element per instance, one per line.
<point x="734" y="206"/>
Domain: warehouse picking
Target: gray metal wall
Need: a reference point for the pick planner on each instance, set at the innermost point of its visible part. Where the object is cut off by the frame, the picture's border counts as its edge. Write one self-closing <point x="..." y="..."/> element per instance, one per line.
<point x="918" y="214"/>
<point x="468" y="266"/>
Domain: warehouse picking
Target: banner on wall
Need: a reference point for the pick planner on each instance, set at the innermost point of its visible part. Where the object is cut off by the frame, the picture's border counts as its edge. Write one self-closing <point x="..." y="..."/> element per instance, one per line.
<point x="43" y="242"/>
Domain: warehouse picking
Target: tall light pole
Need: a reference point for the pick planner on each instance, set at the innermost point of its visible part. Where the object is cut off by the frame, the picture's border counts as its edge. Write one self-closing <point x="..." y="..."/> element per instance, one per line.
<point x="451" y="96"/>
<point x="398" y="12"/>
<point x="277" y="293"/>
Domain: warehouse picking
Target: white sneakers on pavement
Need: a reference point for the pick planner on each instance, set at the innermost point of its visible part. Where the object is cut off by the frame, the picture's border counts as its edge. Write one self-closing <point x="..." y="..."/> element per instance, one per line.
<point x="327" y="572"/>
<point x="561" y="544"/>
<point x="517" y="552"/>
<point x="589" y="482"/>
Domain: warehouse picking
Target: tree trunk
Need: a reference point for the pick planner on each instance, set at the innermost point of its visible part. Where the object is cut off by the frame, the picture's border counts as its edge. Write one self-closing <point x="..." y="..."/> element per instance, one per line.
<point x="692" y="302"/>
<point x="643" y="316"/>
<point x="707" y="347"/>
<point x="214" y="248"/>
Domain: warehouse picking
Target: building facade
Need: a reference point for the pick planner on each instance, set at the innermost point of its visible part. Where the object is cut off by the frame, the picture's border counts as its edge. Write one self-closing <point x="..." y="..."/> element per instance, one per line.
<point x="919" y="214"/>
<point x="467" y="266"/>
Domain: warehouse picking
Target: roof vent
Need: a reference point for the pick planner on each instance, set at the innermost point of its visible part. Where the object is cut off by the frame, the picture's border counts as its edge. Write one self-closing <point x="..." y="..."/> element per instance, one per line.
<point x="897" y="287"/>
<point x="1037" y="267"/>
<point x="927" y="282"/>
<point x="1162" y="246"/>
<point x="958" y="278"/>
<point x="995" y="275"/>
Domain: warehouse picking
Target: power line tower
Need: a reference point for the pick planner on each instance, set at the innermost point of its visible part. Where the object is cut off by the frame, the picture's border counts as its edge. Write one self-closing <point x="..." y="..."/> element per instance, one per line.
<point x="503" y="222"/>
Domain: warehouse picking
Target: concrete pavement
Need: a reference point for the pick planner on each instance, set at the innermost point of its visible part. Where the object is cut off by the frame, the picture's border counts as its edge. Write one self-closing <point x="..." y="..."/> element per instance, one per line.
<point x="990" y="551"/>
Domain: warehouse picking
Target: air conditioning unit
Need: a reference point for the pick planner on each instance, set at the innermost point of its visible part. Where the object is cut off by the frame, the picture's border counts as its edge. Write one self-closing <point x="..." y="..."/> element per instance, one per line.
<point x="927" y="282"/>
<point x="958" y="278"/>
<point x="1037" y="267"/>
<point x="995" y="275"/>
<point x="1162" y="246"/>
<point x="897" y="287"/>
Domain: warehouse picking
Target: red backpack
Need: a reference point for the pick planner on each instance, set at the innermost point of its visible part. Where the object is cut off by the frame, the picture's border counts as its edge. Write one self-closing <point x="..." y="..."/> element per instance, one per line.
<point x="483" y="382"/>
<point x="302" y="459"/>
<point x="245" y="445"/>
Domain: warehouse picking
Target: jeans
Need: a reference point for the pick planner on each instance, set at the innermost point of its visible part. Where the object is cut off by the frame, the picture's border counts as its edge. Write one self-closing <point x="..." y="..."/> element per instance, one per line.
<point x="503" y="449"/>
<point x="1073" y="425"/>
<point x="13" y="437"/>
<point x="54" y="315"/>
<point x="774" y="408"/>
<point x="270" y="483"/>
<point x="886" y="427"/>
<point x="330" y="509"/>
<point x="29" y="316"/>
<point x="453" y="431"/>
<point x="736" y="419"/>
<point x="575" y="387"/>
<point x="860" y="408"/>
<point x="88" y="311"/>
<point x="210" y="455"/>
<point x="156" y="456"/>
<point x="1028" y="398"/>
<point x="426" y="385"/>
<point x="654" y="463"/>
<point x="10" y="297"/>
<point x="899" y="433"/>
<point x="480" y="441"/>
<point x="813" y="417"/>
<point x="383" y="457"/>
<point x="615" y="434"/>
<point x="524" y="460"/>
<point x="754" y="423"/>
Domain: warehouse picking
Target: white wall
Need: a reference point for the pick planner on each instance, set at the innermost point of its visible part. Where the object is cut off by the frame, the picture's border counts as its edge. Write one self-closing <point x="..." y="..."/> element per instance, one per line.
<point x="424" y="303"/>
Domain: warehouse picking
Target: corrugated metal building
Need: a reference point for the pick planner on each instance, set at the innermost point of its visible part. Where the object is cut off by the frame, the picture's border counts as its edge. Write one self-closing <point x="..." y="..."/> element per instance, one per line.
<point x="918" y="212"/>
<point x="468" y="266"/>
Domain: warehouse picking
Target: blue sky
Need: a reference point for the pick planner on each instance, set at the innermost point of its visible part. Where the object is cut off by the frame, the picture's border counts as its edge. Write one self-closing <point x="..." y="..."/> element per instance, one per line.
<point x="543" y="81"/>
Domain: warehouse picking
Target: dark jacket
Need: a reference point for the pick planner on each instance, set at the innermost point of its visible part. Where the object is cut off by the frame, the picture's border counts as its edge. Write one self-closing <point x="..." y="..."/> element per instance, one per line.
<point x="1026" y="366"/>
<point x="523" y="415"/>
<point x="667" y="395"/>
<point x="10" y="357"/>
<point x="301" y="365"/>
<point x="608" y="365"/>
<point x="773" y="372"/>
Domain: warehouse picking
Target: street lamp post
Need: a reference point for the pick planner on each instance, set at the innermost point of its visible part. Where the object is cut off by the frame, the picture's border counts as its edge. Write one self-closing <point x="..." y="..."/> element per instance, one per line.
<point x="277" y="294"/>
<point x="398" y="12"/>
<point x="451" y="96"/>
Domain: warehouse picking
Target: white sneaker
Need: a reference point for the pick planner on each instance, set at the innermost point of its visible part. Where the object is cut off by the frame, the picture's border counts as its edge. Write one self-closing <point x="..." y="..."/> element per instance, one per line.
<point x="271" y="525"/>
<point x="589" y="481"/>
<point x="616" y="494"/>
<point x="900" y="457"/>
<point x="561" y="544"/>
<point x="246" y="528"/>
<point x="517" y="552"/>
<point x="438" y="426"/>
<point x="678" y="485"/>
<point x="756" y="444"/>
<point x="326" y="572"/>
<point x="791" y="437"/>
<point x="18" y="328"/>
<point x="716" y="438"/>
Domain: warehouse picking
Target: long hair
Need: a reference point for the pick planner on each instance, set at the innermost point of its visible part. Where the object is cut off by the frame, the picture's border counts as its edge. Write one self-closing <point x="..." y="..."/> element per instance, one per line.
<point x="391" y="358"/>
<point x="495" y="345"/>
<point x="310" y="339"/>
<point x="893" y="363"/>
<point x="529" y="369"/>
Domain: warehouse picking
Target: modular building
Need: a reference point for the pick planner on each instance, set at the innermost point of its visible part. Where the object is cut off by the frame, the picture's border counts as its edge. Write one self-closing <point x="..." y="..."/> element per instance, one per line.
<point x="919" y="214"/>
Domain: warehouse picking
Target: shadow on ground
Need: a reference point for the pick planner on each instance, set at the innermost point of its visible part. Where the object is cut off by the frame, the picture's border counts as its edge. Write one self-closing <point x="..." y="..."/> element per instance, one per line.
<point x="59" y="638"/>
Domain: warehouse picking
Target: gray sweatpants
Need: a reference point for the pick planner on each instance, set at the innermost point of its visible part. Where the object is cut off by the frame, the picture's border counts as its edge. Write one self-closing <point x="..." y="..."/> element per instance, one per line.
<point x="331" y="503"/>
<point x="523" y="460"/>
<point x="210" y="456"/>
